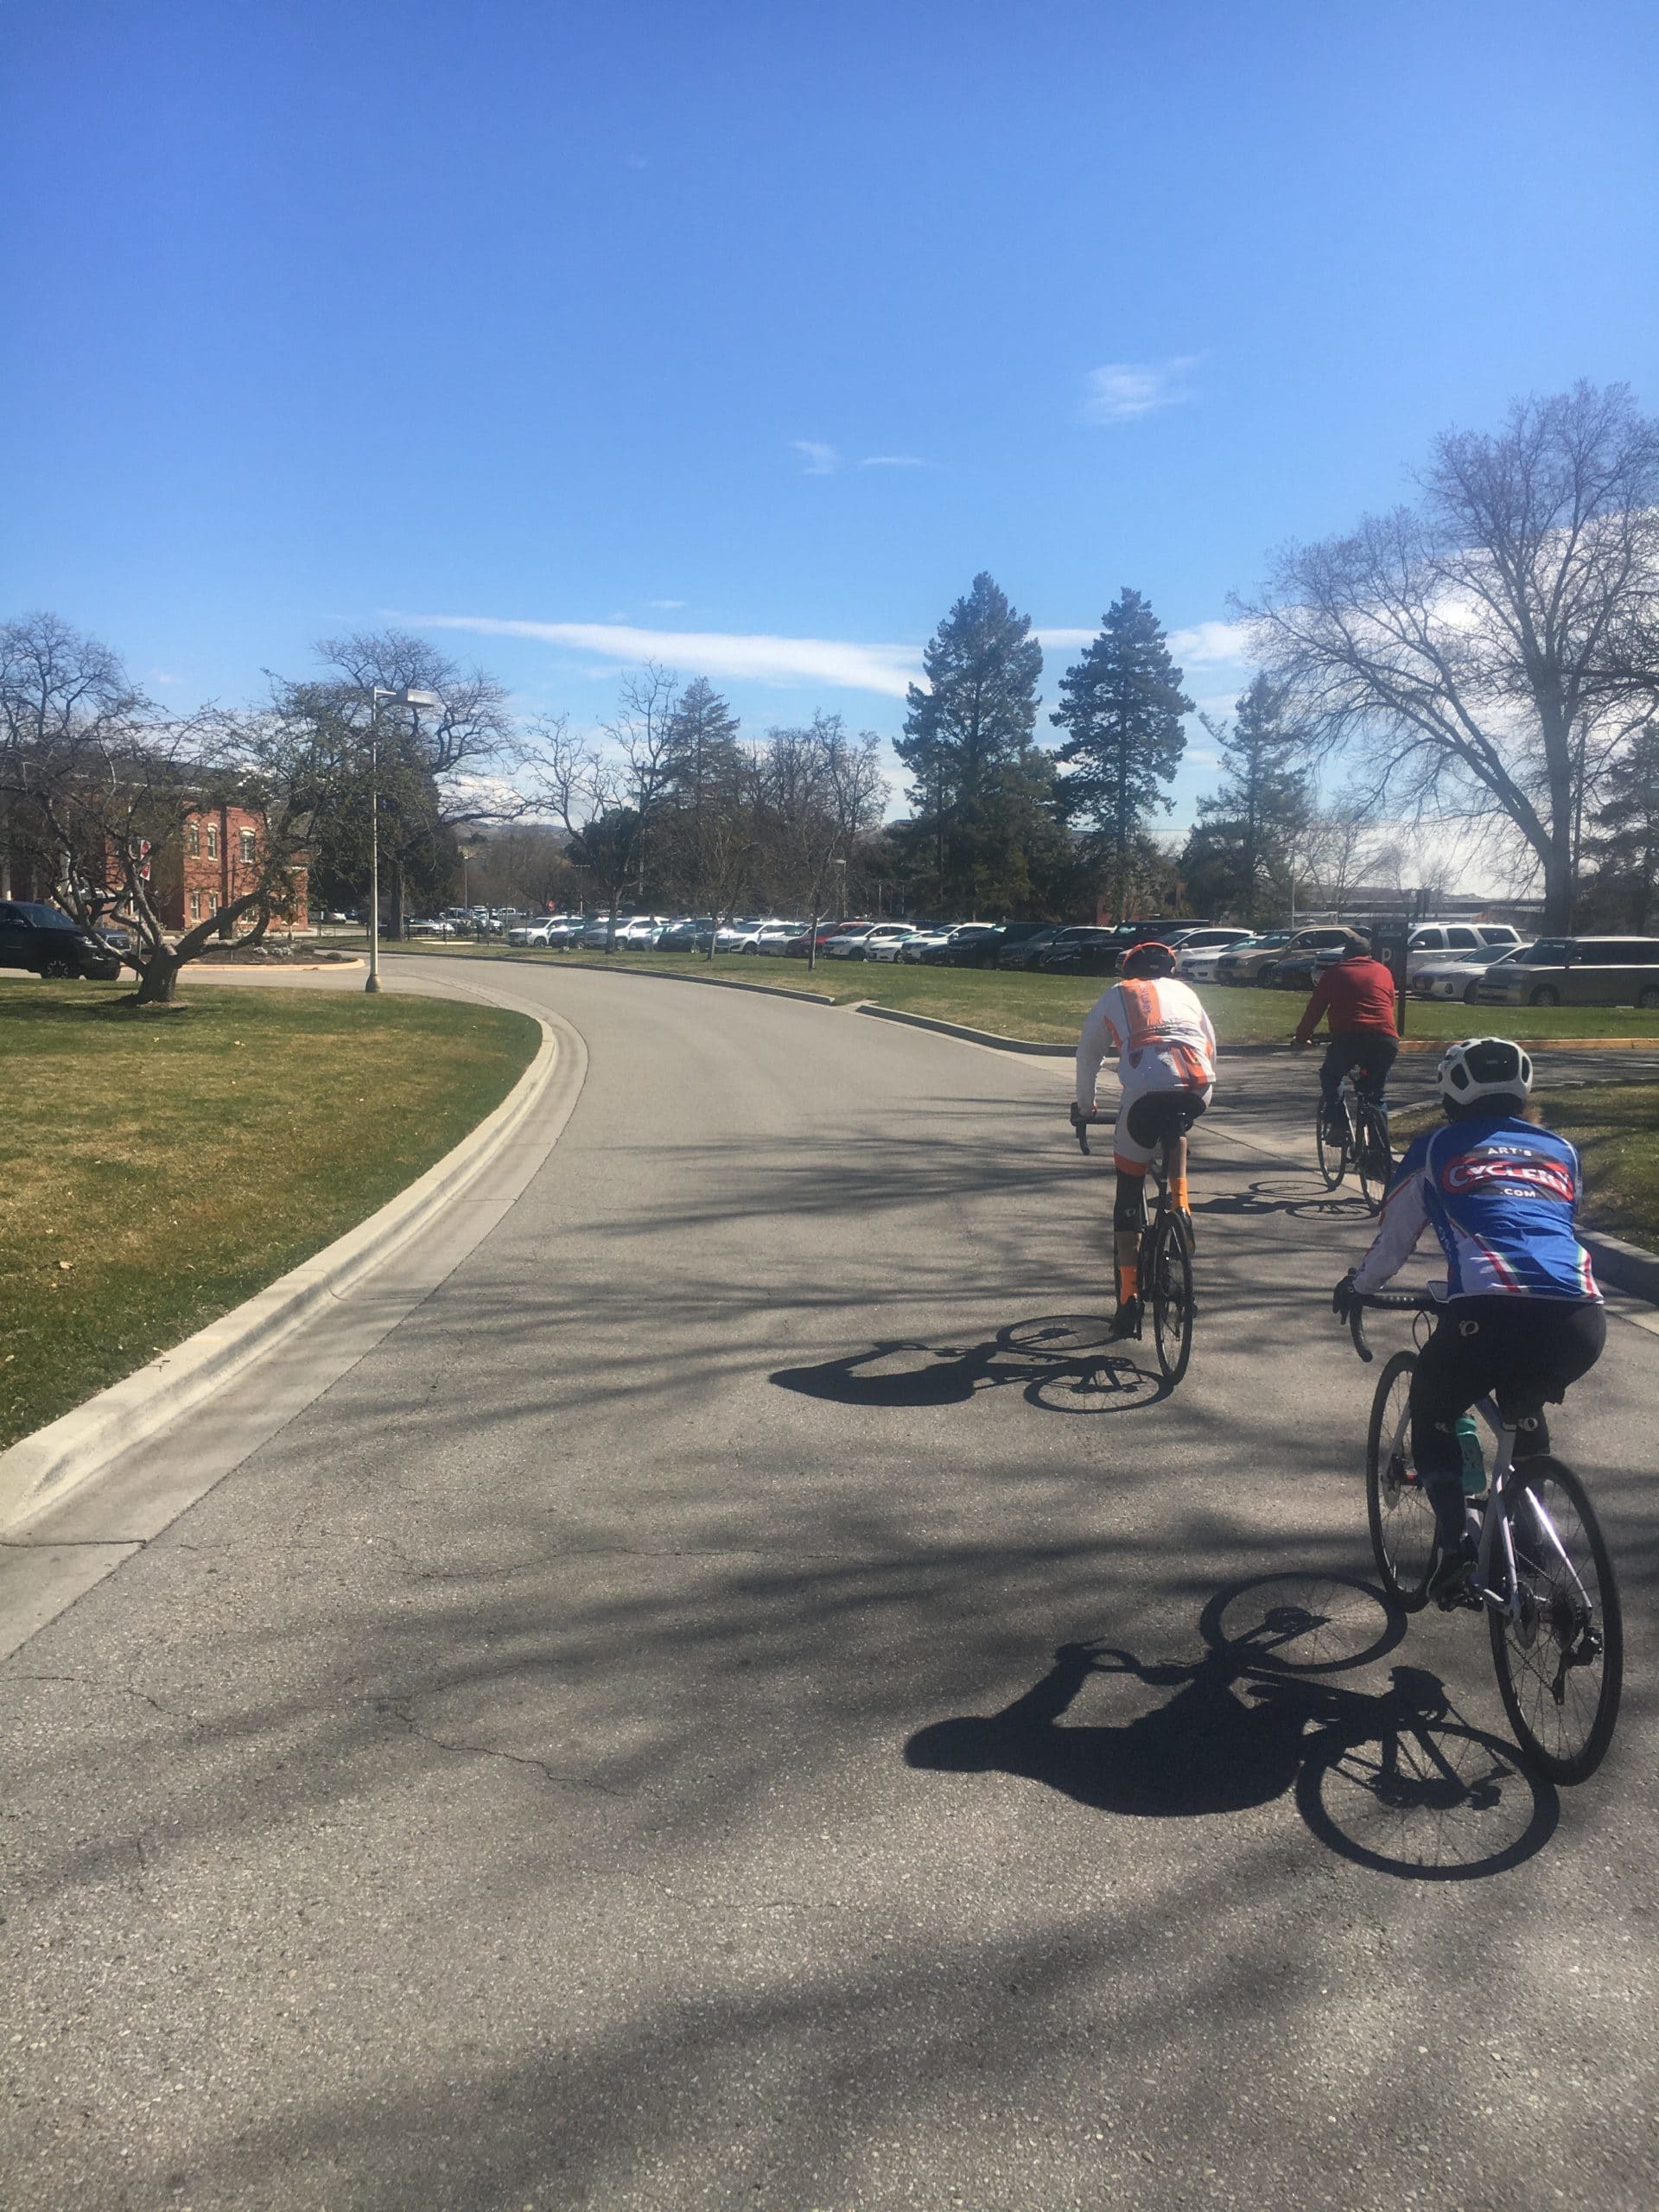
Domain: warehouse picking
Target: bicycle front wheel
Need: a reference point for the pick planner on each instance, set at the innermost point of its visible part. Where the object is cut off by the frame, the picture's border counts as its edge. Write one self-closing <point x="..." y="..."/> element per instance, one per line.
<point x="1376" y="1161"/>
<point x="1333" y="1152"/>
<point x="1561" y="1657"/>
<point x="1171" y="1300"/>
<point x="1402" y="1518"/>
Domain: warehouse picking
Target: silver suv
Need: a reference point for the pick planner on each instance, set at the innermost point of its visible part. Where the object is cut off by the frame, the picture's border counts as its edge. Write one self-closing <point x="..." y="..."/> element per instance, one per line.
<point x="1575" y="971"/>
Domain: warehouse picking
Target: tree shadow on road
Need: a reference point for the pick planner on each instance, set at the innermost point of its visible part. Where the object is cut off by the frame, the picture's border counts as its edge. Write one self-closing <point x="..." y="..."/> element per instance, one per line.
<point x="1062" y="1363"/>
<point x="1393" y="1780"/>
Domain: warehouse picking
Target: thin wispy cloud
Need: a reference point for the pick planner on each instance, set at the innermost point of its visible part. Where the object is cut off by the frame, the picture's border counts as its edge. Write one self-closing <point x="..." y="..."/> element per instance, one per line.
<point x="1204" y="642"/>
<point x="817" y="458"/>
<point x="896" y="460"/>
<point x="840" y="663"/>
<point x="1118" y="392"/>
<point x="665" y="606"/>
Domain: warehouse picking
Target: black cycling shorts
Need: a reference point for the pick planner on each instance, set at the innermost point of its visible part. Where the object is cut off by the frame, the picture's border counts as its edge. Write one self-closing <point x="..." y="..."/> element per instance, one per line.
<point x="1150" y="1121"/>
<point x="1526" y="1350"/>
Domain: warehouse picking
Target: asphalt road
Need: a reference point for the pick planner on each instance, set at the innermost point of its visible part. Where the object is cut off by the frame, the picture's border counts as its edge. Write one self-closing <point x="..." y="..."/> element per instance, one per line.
<point x="610" y="1750"/>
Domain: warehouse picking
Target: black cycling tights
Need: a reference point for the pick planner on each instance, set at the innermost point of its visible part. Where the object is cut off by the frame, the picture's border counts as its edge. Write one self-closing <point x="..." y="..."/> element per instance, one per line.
<point x="1527" y="1348"/>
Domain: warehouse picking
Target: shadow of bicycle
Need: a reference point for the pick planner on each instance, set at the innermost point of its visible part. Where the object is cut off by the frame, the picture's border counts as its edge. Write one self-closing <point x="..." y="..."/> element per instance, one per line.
<point x="1062" y="1363"/>
<point x="1394" y="1779"/>
<point x="1288" y="1195"/>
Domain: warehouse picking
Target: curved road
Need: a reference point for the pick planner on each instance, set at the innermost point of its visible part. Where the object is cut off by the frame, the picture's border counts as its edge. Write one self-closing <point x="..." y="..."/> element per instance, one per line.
<point x="610" y="1750"/>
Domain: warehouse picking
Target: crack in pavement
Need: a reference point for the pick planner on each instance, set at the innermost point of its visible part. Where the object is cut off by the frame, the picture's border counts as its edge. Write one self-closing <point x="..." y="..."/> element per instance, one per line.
<point x="549" y="1773"/>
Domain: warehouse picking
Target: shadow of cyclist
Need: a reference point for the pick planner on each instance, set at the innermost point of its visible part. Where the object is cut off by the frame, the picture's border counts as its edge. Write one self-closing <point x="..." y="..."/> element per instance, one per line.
<point x="1391" y="1779"/>
<point x="1062" y="1361"/>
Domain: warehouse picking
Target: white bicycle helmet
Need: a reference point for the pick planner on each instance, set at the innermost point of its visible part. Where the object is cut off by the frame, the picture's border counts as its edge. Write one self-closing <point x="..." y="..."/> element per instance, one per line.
<point x="1483" y="1067"/>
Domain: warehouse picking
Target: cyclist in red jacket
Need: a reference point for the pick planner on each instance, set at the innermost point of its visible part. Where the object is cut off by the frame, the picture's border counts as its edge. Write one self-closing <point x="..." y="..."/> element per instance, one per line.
<point x="1355" y="996"/>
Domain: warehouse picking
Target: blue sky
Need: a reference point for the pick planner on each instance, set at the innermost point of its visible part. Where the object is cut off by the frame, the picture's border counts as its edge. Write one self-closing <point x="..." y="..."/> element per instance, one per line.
<point x="753" y="332"/>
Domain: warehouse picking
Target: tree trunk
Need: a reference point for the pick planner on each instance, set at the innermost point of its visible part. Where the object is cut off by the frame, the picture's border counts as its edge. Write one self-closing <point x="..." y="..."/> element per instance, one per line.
<point x="155" y="984"/>
<point x="1558" y="889"/>
<point x="398" y="924"/>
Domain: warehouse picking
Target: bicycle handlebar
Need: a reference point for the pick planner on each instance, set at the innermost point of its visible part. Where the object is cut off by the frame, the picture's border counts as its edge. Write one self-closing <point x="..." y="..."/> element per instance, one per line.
<point x="1399" y="1301"/>
<point x="1080" y="1127"/>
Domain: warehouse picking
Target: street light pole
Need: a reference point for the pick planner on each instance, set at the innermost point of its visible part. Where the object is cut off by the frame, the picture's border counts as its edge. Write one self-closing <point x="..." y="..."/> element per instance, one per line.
<point x="405" y="697"/>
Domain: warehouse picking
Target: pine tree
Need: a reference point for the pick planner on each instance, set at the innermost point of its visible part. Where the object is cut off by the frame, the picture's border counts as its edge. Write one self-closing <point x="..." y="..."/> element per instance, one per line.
<point x="1238" y="856"/>
<point x="1625" y="844"/>
<point x="978" y="781"/>
<point x="701" y="773"/>
<point x="1122" y="705"/>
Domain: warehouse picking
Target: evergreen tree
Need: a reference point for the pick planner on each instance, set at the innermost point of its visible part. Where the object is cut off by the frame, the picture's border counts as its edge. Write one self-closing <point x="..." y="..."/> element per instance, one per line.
<point x="1238" y="856"/>
<point x="1625" y="844"/>
<point x="979" y="784"/>
<point x="701" y="776"/>
<point x="1121" y="705"/>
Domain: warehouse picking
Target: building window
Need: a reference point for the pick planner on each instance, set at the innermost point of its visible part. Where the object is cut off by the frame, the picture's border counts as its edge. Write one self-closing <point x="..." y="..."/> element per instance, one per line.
<point x="195" y="906"/>
<point x="193" y="840"/>
<point x="244" y="838"/>
<point x="212" y="841"/>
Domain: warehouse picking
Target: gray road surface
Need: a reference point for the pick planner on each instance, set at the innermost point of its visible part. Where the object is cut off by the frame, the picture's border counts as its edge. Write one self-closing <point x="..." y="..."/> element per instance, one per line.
<point x="557" y="1771"/>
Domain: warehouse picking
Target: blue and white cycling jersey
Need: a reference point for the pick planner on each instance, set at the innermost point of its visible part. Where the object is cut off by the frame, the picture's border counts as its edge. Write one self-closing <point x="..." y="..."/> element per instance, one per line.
<point x="1501" y="1195"/>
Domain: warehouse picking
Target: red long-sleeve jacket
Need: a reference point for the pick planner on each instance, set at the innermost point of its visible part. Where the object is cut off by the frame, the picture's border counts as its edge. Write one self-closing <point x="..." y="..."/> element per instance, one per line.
<point x="1356" y="995"/>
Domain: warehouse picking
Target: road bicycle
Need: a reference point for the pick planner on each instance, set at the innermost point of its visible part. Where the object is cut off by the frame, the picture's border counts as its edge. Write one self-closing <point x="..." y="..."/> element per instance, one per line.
<point x="1543" y="1572"/>
<point x="1359" y="1140"/>
<point x="1163" y="1267"/>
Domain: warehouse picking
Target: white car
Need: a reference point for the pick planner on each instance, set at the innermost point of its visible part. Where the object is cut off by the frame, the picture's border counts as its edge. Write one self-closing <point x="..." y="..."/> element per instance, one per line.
<point x="889" y="943"/>
<point x="424" y="928"/>
<point x="529" y="932"/>
<point x="921" y="941"/>
<point x="641" y="932"/>
<point x="738" y="934"/>
<point x="772" y="936"/>
<point x="1456" y="979"/>
<point x="849" y="943"/>
<point x="1434" y="944"/>
<point x="1199" y="949"/>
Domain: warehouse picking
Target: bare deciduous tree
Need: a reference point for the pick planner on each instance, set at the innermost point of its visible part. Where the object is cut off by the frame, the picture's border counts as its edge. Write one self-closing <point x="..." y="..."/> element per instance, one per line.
<point x="1475" y="646"/>
<point x="608" y="792"/>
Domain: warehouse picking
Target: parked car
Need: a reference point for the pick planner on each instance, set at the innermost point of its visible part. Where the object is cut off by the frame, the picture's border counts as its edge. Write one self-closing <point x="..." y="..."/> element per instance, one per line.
<point x="1199" y="950"/>
<point x="1456" y="976"/>
<point x="529" y="932"/>
<point x="429" y="926"/>
<point x="1250" y="961"/>
<point x="892" y="946"/>
<point x="774" y="938"/>
<point x="688" y="933"/>
<point x="1083" y="951"/>
<point x="924" y="939"/>
<point x="1575" y="971"/>
<point x="970" y="945"/>
<point x="1308" y="952"/>
<point x="1454" y="940"/>
<point x="1026" y="949"/>
<point x="798" y="946"/>
<point x="43" y="940"/>
<point x="738" y="935"/>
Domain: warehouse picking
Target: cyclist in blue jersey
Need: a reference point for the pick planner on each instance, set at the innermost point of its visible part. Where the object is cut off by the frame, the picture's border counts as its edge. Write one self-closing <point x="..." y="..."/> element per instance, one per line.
<point x="1523" y="1312"/>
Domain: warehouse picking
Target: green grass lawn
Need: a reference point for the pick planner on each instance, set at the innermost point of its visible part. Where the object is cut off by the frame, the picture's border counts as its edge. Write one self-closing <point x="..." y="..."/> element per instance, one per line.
<point x="1048" y="1009"/>
<point x="157" y="1168"/>
<point x="1616" y="1129"/>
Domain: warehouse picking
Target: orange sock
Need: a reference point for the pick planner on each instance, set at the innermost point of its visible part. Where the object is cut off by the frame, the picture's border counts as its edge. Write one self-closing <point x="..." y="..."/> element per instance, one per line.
<point x="1177" y="1194"/>
<point x="1127" y="1273"/>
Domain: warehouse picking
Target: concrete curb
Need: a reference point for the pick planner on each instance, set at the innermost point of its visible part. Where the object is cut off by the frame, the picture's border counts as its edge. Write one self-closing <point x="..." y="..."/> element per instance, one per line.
<point x="199" y="970"/>
<point x="1625" y="1267"/>
<point x="549" y="965"/>
<point x="39" y="1470"/>
<point x="971" y="1036"/>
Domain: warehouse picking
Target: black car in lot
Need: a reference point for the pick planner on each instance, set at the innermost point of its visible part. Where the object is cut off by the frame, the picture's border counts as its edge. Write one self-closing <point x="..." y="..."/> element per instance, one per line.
<point x="1023" y="943"/>
<point x="1082" y="952"/>
<point x="971" y="945"/>
<point x="38" y="938"/>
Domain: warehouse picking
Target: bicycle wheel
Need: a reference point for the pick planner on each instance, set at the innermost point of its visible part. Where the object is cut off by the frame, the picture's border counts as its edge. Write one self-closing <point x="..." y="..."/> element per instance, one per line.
<point x="1561" y="1664"/>
<point x="1402" y="1518"/>
<point x="1374" y="1160"/>
<point x="1333" y="1156"/>
<point x="1172" y="1299"/>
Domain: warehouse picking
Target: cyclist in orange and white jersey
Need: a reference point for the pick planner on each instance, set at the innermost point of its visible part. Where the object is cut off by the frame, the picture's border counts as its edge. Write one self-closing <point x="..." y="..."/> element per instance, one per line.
<point x="1166" y="1051"/>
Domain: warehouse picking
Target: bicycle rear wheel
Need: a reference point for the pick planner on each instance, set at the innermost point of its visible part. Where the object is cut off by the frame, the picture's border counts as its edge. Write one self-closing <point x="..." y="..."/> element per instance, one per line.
<point x="1561" y="1664"/>
<point x="1333" y="1154"/>
<point x="1170" y="1267"/>
<point x="1402" y="1518"/>
<point x="1374" y="1158"/>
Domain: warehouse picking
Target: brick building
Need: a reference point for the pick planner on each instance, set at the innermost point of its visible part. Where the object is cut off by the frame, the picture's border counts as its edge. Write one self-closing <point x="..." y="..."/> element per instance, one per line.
<point x="211" y="862"/>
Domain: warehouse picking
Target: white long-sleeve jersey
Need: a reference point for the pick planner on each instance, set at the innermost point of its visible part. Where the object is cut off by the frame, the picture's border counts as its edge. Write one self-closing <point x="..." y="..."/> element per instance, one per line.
<point x="1161" y="1035"/>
